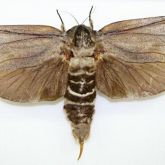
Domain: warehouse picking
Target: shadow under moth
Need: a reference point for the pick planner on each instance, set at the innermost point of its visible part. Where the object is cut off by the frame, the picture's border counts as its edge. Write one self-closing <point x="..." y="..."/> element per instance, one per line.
<point x="125" y="59"/>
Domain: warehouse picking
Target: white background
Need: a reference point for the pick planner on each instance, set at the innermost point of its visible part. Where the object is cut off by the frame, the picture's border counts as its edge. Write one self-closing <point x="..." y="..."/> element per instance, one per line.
<point x="123" y="133"/>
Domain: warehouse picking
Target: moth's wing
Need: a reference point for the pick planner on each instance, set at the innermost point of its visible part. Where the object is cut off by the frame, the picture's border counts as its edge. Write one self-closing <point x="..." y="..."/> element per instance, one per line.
<point x="133" y="62"/>
<point x="31" y="67"/>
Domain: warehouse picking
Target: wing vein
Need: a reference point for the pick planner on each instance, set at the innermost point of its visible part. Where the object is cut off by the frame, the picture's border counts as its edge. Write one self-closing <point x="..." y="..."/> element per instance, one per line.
<point x="126" y="30"/>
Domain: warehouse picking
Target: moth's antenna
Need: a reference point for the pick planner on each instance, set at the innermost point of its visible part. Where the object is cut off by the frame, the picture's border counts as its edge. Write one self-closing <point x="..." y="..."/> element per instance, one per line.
<point x="81" y="149"/>
<point x="62" y="23"/>
<point x="85" y="19"/>
<point x="90" y="20"/>
<point x="72" y="16"/>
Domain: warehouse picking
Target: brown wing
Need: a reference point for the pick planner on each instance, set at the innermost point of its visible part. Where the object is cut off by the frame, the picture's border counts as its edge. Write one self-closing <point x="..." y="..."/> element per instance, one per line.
<point x="133" y="63"/>
<point x="31" y="67"/>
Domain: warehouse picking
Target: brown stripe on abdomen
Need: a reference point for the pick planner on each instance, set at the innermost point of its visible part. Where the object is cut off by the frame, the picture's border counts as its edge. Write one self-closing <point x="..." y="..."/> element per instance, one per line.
<point x="77" y="113"/>
<point x="80" y="95"/>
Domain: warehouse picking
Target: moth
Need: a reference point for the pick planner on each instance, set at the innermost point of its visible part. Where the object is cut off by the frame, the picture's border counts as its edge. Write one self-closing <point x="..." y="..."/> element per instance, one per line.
<point x="125" y="59"/>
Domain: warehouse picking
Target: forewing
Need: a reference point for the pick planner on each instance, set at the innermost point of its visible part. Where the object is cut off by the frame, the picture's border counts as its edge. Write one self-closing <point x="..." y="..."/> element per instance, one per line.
<point x="133" y="62"/>
<point x="31" y="67"/>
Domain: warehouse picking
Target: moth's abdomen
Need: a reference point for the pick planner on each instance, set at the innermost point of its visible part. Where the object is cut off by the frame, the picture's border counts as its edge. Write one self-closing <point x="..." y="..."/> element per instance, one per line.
<point x="80" y="95"/>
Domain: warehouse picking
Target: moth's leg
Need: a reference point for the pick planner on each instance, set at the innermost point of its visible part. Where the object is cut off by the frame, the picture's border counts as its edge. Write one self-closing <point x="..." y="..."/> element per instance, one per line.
<point x="98" y="52"/>
<point x="66" y="53"/>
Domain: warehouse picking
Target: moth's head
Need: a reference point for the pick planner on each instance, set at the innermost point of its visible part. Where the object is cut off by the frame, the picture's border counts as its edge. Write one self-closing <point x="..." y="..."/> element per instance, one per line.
<point x="81" y="36"/>
<point x="79" y="40"/>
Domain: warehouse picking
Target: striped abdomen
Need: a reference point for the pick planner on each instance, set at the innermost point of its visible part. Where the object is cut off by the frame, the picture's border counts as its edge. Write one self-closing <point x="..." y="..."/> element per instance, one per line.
<point x="80" y="95"/>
